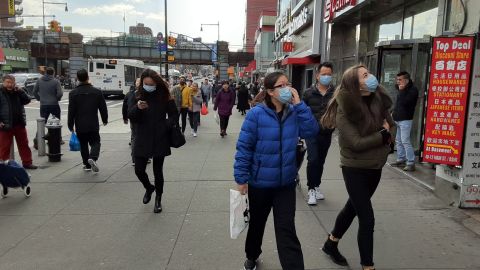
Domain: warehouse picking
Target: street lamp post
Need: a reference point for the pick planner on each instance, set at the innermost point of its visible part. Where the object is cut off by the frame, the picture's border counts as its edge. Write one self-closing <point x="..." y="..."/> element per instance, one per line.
<point x="212" y="24"/>
<point x="44" y="27"/>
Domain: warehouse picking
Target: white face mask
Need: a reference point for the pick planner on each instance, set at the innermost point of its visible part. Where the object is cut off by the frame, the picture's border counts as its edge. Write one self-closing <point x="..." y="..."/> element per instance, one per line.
<point x="149" y="88"/>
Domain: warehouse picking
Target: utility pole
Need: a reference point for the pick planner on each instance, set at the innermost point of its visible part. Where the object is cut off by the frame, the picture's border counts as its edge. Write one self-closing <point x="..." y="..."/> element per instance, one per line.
<point x="166" y="36"/>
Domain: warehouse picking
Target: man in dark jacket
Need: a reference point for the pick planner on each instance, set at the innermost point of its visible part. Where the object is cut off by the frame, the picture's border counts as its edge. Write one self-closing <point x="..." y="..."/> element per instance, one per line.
<point x="84" y="103"/>
<point x="317" y="98"/>
<point x="403" y="116"/>
<point x="13" y="121"/>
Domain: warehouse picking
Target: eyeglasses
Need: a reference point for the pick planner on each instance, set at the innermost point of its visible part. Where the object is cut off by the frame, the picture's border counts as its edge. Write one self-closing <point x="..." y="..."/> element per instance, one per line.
<point x="282" y="85"/>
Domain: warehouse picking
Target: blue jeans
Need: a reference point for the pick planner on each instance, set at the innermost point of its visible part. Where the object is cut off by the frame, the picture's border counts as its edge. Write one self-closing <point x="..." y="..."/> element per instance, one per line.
<point x="404" y="145"/>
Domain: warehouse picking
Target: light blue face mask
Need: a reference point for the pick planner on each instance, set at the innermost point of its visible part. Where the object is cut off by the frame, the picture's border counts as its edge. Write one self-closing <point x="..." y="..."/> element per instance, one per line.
<point x="149" y="88"/>
<point x="325" y="80"/>
<point x="372" y="83"/>
<point x="285" y="95"/>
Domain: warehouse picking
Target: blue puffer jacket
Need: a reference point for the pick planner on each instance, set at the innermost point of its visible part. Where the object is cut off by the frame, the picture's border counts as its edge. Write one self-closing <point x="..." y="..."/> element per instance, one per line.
<point x="266" y="147"/>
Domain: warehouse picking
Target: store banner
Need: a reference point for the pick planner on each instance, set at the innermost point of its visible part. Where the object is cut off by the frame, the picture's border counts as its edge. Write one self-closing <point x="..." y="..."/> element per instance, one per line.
<point x="447" y="99"/>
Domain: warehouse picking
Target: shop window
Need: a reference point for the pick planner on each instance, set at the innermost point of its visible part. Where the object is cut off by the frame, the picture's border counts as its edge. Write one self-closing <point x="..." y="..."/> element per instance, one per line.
<point x="420" y="20"/>
<point x="390" y="26"/>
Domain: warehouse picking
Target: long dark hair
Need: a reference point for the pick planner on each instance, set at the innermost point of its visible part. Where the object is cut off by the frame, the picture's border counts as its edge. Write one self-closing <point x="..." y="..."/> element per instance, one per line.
<point x="269" y="84"/>
<point x="162" y="87"/>
<point x="371" y="115"/>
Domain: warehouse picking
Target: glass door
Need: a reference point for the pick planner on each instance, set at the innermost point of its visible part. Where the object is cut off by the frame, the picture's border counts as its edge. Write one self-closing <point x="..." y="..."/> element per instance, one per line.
<point x="394" y="61"/>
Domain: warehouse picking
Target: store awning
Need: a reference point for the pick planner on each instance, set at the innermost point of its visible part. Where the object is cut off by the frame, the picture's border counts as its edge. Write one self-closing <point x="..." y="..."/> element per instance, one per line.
<point x="3" y="61"/>
<point x="251" y="66"/>
<point x="303" y="58"/>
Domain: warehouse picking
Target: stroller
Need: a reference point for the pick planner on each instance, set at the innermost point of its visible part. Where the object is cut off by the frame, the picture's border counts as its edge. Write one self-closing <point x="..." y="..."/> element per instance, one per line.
<point x="13" y="175"/>
<point x="300" y="156"/>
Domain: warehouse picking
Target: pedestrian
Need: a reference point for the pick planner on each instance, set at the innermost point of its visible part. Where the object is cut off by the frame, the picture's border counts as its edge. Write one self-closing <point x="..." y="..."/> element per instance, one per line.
<point x="176" y="93"/>
<point x="224" y="103"/>
<point x="403" y="113"/>
<point x="244" y="99"/>
<point x="317" y="98"/>
<point x="85" y="101"/>
<point x="128" y="101"/>
<point x="265" y="167"/>
<point x="207" y="91"/>
<point x="48" y="91"/>
<point x="195" y="105"/>
<point x="149" y="112"/>
<point x="255" y="89"/>
<point x="13" y="121"/>
<point x="182" y="93"/>
<point x="360" y="112"/>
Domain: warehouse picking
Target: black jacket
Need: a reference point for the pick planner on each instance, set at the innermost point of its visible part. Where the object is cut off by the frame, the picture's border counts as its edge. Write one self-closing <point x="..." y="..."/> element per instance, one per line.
<point x="127" y="102"/>
<point x="84" y="103"/>
<point x="6" y="111"/>
<point x="406" y="103"/>
<point x="151" y="126"/>
<point x="318" y="103"/>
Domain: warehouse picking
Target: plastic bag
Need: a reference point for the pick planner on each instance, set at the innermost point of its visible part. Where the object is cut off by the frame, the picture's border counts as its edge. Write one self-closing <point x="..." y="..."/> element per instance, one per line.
<point x="217" y="118"/>
<point x="204" y="110"/>
<point x="74" y="142"/>
<point x="239" y="215"/>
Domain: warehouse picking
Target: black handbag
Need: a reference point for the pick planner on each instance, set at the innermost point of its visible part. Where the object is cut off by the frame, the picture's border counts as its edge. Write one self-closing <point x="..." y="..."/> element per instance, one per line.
<point x="175" y="135"/>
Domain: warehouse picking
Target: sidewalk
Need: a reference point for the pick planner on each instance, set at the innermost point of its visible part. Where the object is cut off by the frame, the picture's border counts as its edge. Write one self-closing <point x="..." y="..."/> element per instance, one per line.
<point x="79" y="220"/>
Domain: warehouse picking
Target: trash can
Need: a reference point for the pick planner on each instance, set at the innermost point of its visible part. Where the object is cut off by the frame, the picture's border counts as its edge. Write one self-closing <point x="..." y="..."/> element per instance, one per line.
<point x="54" y="138"/>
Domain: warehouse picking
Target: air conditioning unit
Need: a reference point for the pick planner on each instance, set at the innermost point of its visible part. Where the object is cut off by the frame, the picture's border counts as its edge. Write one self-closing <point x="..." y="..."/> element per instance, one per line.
<point x="19" y="11"/>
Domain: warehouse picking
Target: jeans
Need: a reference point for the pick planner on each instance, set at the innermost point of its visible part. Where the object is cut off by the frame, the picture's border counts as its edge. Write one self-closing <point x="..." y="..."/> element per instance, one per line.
<point x="361" y="185"/>
<point x="194" y="117"/>
<point x="224" y="122"/>
<point x="404" y="146"/>
<point x="46" y="110"/>
<point x="141" y="166"/>
<point x="282" y="200"/>
<point x="317" y="150"/>
<point x="92" y="139"/>
<point x="184" y="113"/>
<point x="207" y="98"/>
<point x="6" y="140"/>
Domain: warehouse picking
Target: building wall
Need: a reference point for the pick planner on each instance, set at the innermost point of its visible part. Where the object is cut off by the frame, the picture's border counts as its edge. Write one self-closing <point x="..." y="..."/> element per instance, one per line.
<point x="253" y="11"/>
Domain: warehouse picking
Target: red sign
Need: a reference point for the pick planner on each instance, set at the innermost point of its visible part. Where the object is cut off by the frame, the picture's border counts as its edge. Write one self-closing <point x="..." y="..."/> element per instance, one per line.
<point x="447" y="99"/>
<point x="287" y="46"/>
<point x="332" y="6"/>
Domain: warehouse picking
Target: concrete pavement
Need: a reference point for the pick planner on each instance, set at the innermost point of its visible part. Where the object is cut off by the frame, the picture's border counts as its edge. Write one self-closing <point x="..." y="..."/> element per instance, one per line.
<point x="79" y="220"/>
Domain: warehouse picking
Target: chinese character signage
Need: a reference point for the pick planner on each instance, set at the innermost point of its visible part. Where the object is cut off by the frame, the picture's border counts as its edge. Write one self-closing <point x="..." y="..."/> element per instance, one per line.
<point x="447" y="99"/>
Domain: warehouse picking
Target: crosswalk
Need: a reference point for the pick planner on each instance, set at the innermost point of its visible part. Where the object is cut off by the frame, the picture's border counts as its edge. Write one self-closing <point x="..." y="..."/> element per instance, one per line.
<point x="35" y="105"/>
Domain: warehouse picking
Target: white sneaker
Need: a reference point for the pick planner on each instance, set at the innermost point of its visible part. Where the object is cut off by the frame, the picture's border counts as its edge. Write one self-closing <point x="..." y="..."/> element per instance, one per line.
<point x="318" y="194"/>
<point x="93" y="164"/>
<point x="312" y="200"/>
<point x="194" y="134"/>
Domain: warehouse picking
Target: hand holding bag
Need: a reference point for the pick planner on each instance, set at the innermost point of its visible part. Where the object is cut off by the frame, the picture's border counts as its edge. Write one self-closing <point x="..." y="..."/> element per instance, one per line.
<point x="74" y="142"/>
<point x="204" y="110"/>
<point x="239" y="215"/>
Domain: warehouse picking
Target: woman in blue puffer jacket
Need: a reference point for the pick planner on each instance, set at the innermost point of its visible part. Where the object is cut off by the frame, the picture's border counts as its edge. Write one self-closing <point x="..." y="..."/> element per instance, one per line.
<point x="265" y="166"/>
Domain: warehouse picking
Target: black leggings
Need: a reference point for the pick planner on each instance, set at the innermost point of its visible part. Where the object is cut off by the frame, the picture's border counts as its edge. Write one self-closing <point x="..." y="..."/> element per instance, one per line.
<point x="224" y="122"/>
<point x="140" y="171"/>
<point x="361" y="185"/>
<point x="184" y="113"/>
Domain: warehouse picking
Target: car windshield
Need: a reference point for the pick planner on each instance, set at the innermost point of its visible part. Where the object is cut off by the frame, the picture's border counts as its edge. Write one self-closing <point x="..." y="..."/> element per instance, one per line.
<point x="20" y="78"/>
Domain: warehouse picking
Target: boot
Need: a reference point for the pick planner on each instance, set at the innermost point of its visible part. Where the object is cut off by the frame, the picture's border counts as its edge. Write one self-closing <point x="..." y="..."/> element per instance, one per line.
<point x="331" y="248"/>
<point x="158" y="204"/>
<point x="148" y="195"/>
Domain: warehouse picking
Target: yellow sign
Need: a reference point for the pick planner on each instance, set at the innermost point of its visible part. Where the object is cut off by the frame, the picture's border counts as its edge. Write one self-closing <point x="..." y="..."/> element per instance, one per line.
<point x="11" y="7"/>
<point x="455" y="151"/>
<point x="171" y="58"/>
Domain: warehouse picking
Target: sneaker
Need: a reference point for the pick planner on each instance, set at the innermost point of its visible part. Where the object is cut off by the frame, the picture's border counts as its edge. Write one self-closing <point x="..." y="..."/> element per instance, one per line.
<point x="30" y="167"/>
<point x="149" y="160"/>
<point x="93" y="164"/>
<point x="194" y="134"/>
<point x="87" y="168"/>
<point x="409" y="168"/>
<point x="318" y="194"/>
<point x="250" y="265"/>
<point x="331" y="249"/>
<point x="312" y="200"/>
<point x="398" y="163"/>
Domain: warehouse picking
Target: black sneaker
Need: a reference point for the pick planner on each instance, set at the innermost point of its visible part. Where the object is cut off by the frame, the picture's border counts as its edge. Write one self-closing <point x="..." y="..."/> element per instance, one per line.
<point x="250" y="265"/>
<point x="87" y="168"/>
<point x="331" y="248"/>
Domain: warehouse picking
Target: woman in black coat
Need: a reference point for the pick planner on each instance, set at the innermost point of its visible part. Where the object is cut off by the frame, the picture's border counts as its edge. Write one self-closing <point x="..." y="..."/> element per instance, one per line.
<point x="149" y="112"/>
<point x="243" y="99"/>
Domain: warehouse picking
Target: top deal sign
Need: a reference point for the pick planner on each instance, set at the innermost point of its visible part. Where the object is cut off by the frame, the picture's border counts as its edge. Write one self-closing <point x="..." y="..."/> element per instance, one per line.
<point x="447" y="99"/>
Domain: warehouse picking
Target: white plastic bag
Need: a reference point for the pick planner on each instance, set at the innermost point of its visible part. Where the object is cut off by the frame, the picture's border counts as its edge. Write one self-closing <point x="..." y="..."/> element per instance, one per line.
<point x="217" y="118"/>
<point x="239" y="215"/>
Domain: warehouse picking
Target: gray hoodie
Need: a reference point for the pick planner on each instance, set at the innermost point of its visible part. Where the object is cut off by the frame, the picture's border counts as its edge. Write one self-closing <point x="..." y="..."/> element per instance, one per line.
<point x="48" y="90"/>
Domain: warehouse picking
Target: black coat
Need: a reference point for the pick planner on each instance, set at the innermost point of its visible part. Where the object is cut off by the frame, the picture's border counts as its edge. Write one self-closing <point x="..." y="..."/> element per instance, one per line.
<point x="84" y="103"/>
<point x="128" y="101"/>
<point x="6" y="112"/>
<point x="318" y="103"/>
<point x="151" y="126"/>
<point x="243" y="98"/>
<point x="405" y="103"/>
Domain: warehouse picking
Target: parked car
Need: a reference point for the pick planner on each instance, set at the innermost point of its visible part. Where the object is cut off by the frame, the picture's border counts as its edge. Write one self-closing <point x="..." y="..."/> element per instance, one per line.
<point x="27" y="81"/>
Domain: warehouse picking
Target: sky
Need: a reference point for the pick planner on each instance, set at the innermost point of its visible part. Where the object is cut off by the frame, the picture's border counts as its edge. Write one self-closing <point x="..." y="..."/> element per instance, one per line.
<point x="94" y="18"/>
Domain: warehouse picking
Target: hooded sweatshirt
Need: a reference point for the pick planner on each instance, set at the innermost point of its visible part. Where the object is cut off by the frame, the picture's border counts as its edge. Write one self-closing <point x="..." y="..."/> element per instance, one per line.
<point x="48" y="90"/>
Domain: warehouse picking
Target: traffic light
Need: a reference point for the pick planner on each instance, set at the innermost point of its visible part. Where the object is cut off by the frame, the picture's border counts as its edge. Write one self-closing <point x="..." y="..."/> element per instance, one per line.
<point x="54" y="26"/>
<point x="172" y="42"/>
<point x="51" y="25"/>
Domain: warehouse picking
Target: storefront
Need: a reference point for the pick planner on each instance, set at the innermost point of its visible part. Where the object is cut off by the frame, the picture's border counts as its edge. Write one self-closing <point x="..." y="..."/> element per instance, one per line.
<point x="298" y="32"/>
<point x="13" y="61"/>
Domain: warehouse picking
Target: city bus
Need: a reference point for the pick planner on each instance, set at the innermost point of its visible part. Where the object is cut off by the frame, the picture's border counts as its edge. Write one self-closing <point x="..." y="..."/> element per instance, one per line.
<point x="114" y="76"/>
